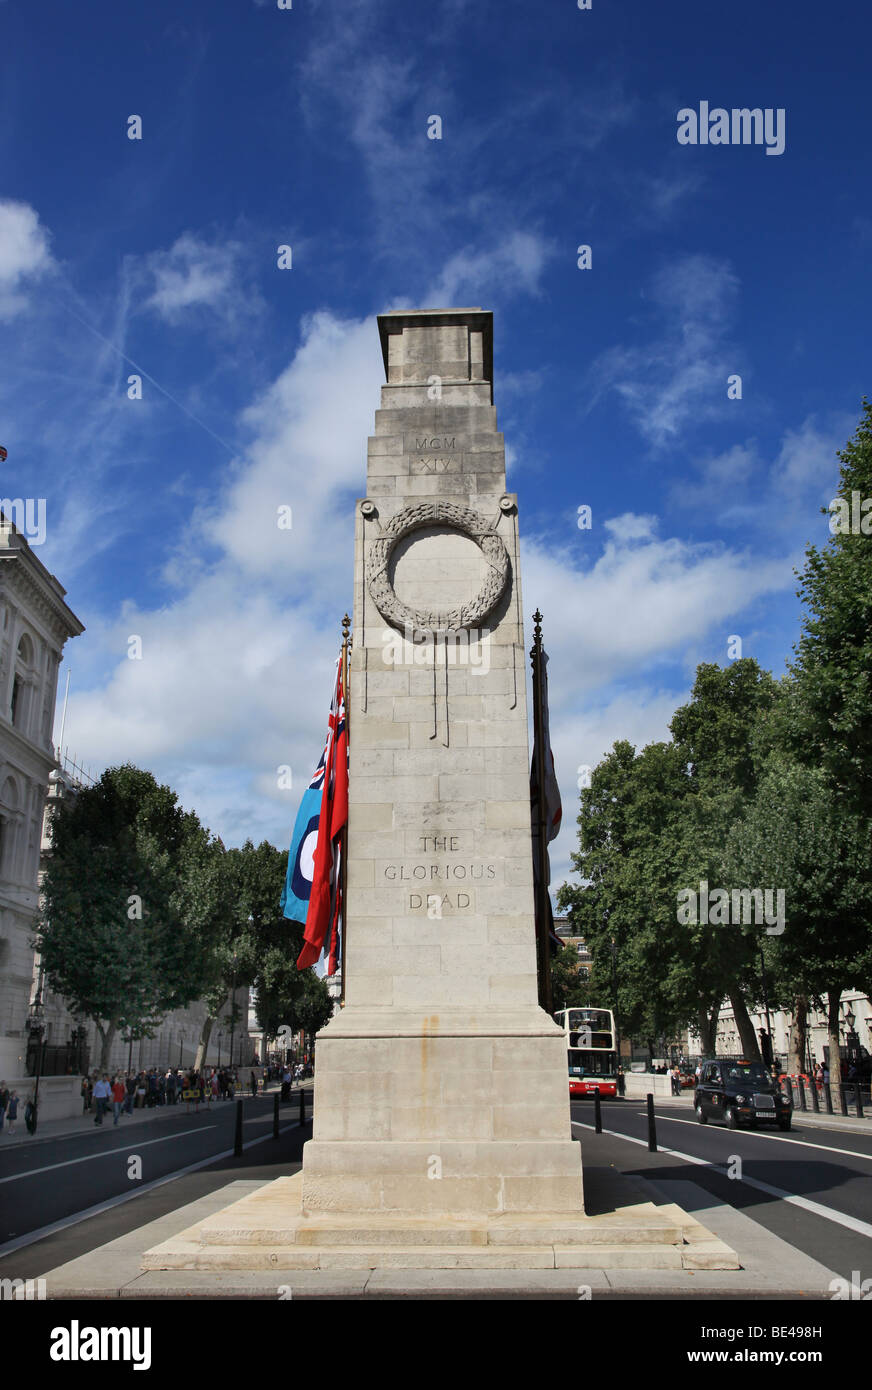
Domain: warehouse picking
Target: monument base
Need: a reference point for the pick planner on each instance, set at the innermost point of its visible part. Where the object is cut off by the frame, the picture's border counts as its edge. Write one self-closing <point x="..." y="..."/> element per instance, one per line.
<point x="265" y="1231"/>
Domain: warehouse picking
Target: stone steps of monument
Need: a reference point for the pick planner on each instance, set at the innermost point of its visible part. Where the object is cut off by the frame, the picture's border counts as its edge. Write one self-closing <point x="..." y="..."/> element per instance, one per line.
<point x="189" y="1256"/>
<point x="442" y="1232"/>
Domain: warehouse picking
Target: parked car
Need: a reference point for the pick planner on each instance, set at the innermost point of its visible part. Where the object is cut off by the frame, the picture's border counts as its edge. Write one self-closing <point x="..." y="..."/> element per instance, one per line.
<point x="740" y="1093"/>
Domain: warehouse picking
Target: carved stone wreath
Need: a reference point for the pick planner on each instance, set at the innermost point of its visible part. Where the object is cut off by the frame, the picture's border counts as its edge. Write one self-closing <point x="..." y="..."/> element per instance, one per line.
<point x="469" y="523"/>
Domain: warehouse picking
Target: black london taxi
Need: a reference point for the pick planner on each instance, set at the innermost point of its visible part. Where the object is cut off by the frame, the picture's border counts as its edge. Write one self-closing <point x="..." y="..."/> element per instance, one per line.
<point x="740" y="1092"/>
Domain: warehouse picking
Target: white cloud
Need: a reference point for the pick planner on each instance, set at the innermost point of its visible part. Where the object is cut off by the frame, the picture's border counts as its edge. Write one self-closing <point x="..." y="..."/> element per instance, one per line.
<point x="514" y="264"/>
<point x="643" y="608"/>
<point x="24" y="254"/>
<point x="778" y="494"/>
<point x="641" y="604"/>
<point x="196" y="274"/>
<point x="631" y="527"/>
<point x="308" y="452"/>
<point x="681" y="375"/>
<point x="235" y="674"/>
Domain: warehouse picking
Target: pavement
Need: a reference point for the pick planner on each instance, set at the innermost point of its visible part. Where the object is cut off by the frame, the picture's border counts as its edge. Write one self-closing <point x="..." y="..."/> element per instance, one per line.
<point x="84" y="1123"/>
<point x="771" y="1268"/>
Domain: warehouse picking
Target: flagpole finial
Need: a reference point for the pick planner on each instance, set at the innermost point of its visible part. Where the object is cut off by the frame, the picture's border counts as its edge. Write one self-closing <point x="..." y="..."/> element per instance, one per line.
<point x="346" y="624"/>
<point x="537" y="632"/>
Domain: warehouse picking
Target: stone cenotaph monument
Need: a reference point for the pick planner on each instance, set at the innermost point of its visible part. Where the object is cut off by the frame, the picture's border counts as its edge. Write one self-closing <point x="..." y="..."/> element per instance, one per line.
<point x="441" y="1134"/>
<point x="441" y="1085"/>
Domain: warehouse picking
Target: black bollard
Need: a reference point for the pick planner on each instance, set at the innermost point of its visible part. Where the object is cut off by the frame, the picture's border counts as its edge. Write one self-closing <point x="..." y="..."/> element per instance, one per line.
<point x="276" y="1115"/>
<point x="652" y="1128"/>
<point x="844" y="1097"/>
<point x="814" y="1096"/>
<point x="859" y="1103"/>
<point x="801" y="1084"/>
<point x="829" y="1097"/>
<point x="237" y="1139"/>
<point x="302" y="1104"/>
<point x="597" y="1111"/>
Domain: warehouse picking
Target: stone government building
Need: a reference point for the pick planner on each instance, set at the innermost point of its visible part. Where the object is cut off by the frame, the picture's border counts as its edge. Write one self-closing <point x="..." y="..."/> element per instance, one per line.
<point x="35" y="624"/>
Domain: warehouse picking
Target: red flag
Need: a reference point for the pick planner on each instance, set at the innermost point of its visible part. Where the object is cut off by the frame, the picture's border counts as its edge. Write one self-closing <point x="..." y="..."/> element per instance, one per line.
<point x="3" y="454"/>
<point x="324" y="897"/>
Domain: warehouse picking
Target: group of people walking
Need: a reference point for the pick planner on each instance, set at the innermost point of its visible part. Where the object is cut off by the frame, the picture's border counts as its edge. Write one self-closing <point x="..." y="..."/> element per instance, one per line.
<point x="9" y="1103"/>
<point x="126" y="1091"/>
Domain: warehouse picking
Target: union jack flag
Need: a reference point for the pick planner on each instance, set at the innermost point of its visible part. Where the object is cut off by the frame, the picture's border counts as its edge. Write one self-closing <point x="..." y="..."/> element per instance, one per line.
<point x="324" y="899"/>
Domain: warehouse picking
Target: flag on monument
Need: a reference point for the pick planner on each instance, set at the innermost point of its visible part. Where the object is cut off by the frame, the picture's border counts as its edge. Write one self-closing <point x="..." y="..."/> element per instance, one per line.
<point x="324" y="904"/>
<point x="294" y="901"/>
<point x="542" y="772"/>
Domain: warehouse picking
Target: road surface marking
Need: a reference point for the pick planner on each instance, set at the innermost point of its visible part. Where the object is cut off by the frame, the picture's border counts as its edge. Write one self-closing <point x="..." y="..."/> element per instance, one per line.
<point x="853" y="1223"/>
<point x="32" y="1236"/>
<point x="760" y="1134"/>
<point x="86" y="1158"/>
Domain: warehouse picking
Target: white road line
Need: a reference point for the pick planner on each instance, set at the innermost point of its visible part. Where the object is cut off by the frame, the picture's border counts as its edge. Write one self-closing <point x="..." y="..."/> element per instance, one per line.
<point x="852" y="1223"/>
<point x="33" y="1236"/>
<point x="104" y="1153"/>
<point x="760" y="1134"/>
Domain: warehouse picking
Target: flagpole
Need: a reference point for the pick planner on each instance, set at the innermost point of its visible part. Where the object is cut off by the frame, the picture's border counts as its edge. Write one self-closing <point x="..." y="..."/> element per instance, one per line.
<point x="343" y="867"/>
<point x="543" y="945"/>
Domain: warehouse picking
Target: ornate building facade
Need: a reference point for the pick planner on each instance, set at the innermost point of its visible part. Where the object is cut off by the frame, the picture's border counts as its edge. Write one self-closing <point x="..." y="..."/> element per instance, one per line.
<point x="35" y="623"/>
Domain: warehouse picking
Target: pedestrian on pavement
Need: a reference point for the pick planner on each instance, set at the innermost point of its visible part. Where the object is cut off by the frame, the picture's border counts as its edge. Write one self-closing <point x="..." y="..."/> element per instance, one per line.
<point x="30" y="1114"/>
<point x="676" y="1081"/>
<point x="4" y="1101"/>
<point x="119" y="1096"/>
<point x="130" y="1097"/>
<point x="102" y="1095"/>
<point x="622" y="1085"/>
<point x="12" y="1111"/>
<point x="86" y="1094"/>
<point x="253" y="1084"/>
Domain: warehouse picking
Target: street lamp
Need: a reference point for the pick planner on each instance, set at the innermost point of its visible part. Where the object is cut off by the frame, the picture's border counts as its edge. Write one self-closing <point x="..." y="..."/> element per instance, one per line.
<point x="36" y="1030"/>
<point x="233" y="1011"/>
<point x="614" y="952"/>
<point x="852" y="1041"/>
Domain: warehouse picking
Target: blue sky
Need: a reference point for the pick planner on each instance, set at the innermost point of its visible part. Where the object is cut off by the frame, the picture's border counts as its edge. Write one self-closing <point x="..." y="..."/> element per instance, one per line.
<point x="263" y="127"/>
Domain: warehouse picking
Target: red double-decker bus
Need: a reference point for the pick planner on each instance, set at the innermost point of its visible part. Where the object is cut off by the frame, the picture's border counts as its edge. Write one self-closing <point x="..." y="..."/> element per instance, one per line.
<point x="590" y="1048"/>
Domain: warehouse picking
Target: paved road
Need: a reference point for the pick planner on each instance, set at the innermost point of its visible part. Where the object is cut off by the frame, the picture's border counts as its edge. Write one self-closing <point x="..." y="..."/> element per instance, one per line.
<point x="811" y="1187"/>
<point x="47" y="1181"/>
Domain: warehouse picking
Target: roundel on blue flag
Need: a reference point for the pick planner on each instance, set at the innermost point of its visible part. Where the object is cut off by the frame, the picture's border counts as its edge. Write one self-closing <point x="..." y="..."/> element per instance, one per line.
<point x="301" y="852"/>
<point x="304" y="858"/>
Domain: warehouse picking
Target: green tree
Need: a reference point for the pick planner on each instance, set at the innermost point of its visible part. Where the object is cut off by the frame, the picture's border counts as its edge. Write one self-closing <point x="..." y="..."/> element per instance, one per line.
<point x="833" y="663"/>
<point x="570" y="986"/>
<point x="633" y="857"/>
<point x="800" y="837"/>
<point x="114" y="933"/>
<point x="717" y="737"/>
<point x="284" y="994"/>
